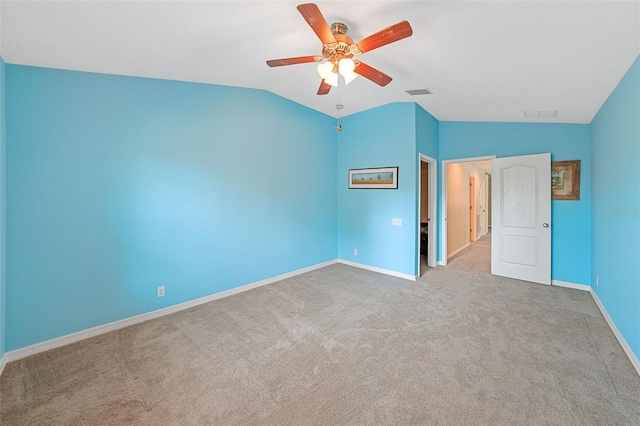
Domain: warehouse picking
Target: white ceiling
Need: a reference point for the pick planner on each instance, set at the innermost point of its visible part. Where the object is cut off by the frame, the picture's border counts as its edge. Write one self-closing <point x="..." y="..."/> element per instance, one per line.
<point x="484" y="61"/>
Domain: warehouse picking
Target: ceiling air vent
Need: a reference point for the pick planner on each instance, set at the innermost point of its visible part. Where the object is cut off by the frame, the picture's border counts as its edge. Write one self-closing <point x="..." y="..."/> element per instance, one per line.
<point x="540" y="113"/>
<point x="424" y="91"/>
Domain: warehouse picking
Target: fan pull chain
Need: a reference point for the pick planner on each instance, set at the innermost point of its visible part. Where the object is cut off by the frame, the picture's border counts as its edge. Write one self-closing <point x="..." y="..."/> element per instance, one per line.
<point x="339" y="126"/>
<point x="339" y="107"/>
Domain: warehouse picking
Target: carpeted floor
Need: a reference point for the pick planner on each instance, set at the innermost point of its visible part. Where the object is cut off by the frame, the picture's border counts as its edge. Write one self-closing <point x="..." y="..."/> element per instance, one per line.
<point x="342" y="345"/>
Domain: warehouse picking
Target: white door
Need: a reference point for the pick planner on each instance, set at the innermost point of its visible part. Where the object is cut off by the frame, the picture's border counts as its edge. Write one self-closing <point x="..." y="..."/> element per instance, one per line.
<point x="521" y="222"/>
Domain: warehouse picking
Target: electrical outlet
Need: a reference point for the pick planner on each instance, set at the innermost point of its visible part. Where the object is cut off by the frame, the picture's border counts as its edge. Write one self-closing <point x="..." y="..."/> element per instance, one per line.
<point x="161" y="291"/>
<point x="396" y="221"/>
<point x="355" y="252"/>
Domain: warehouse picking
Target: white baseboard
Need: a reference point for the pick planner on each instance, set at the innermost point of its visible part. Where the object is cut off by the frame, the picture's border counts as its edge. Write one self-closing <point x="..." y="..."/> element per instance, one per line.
<point x="3" y="362"/>
<point x="442" y="263"/>
<point x="449" y="256"/>
<point x="625" y="346"/>
<point x="95" y="331"/>
<point x="105" y="328"/>
<point x="379" y="270"/>
<point x="582" y="287"/>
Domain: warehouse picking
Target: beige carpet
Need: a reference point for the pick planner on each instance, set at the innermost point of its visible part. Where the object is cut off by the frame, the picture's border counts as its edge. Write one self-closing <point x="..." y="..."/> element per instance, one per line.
<point x="345" y="346"/>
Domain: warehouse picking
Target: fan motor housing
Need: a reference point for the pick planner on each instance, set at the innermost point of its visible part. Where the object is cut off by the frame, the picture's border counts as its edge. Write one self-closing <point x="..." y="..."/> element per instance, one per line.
<point x="344" y="46"/>
<point x="338" y="28"/>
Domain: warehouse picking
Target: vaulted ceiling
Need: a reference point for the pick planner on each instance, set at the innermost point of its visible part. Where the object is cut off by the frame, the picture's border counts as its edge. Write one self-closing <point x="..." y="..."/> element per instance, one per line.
<point x="483" y="60"/>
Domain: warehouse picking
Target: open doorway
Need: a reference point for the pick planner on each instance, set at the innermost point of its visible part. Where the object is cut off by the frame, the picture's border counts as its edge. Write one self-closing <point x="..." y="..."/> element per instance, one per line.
<point x="427" y="214"/>
<point x="465" y="194"/>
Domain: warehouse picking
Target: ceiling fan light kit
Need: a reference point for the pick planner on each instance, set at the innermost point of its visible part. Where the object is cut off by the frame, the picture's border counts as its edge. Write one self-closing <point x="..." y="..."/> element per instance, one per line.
<point x="329" y="71"/>
<point x="338" y="49"/>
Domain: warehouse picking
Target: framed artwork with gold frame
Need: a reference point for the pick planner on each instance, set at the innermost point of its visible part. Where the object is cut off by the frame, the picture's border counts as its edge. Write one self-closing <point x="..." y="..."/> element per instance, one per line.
<point x="565" y="180"/>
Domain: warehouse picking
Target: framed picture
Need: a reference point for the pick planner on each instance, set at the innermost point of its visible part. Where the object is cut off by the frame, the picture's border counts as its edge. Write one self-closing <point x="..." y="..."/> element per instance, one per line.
<point x="380" y="178"/>
<point x="565" y="180"/>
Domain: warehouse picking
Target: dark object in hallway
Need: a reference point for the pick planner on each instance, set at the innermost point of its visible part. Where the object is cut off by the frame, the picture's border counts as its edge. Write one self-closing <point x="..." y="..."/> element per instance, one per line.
<point x="424" y="237"/>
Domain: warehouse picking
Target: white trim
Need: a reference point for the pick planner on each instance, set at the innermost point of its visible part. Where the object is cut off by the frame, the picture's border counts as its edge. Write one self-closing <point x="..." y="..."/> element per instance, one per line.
<point x="116" y="325"/>
<point x="443" y="207"/>
<point x="625" y="346"/>
<point x="432" y="258"/>
<point x="442" y="263"/>
<point x="3" y="362"/>
<point x="582" y="287"/>
<point x="378" y="270"/>
<point x="458" y="250"/>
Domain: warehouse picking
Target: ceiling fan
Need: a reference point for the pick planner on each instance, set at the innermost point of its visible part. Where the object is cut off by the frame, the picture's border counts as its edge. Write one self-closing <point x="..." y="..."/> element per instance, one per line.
<point x="338" y="49"/>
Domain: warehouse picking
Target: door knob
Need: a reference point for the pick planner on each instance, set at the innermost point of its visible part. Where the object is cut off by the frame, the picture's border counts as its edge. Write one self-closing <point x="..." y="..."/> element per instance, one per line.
<point x="545" y="225"/>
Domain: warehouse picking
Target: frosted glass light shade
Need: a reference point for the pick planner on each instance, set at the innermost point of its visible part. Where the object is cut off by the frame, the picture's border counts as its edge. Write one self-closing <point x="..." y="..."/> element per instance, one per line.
<point x="332" y="79"/>
<point x="325" y="70"/>
<point x="346" y="66"/>
<point x="349" y="78"/>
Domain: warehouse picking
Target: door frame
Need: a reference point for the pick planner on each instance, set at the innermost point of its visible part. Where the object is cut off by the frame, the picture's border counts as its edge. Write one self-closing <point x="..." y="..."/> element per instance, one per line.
<point x="487" y="202"/>
<point x="432" y="247"/>
<point x="473" y="231"/>
<point x="443" y="206"/>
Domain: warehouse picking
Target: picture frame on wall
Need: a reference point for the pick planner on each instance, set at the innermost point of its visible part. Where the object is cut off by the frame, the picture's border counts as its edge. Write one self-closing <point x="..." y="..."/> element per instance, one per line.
<point x="565" y="180"/>
<point x="375" y="178"/>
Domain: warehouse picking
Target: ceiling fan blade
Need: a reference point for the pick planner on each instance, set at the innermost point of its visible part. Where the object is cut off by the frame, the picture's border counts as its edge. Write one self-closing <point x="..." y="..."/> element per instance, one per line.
<point x="324" y="88"/>
<point x="293" y="61"/>
<point x="372" y="74"/>
<point x="390" y="34"/>
<point x="316" y="21"/>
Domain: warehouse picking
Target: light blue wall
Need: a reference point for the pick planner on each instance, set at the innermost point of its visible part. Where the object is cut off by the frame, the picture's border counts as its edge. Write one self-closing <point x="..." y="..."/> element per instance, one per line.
<point x="427" y="133"/>
<point x="427" y="142"/>
<point x="616" y="206"/>
<point x="380" y="137"/>
<point x="2" y="211"/>
<point x="117" y="185"/>
<point x="571" y="220"/>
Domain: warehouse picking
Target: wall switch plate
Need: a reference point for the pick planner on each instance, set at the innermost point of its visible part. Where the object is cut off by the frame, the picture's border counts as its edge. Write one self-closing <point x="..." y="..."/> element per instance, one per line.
<point x="396" y="221"/>
<point x="355" y="252"/>
<point x="161" y="291"/>
<point x="597" y="281"/>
